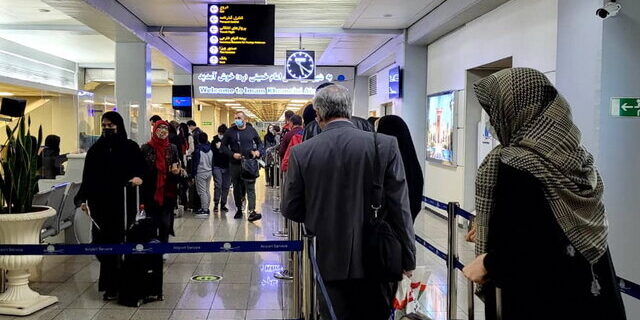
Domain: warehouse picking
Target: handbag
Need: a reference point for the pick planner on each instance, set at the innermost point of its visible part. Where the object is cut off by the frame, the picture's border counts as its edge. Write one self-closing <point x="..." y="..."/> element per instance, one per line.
<point x="250" y="167"/>
<point x="382" y="256"/>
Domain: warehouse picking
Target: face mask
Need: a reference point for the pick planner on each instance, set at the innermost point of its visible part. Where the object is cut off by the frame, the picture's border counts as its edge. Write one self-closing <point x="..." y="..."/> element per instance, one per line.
<point x="108" y="132"/>
<point x="220" y="136"/>
<point x="239" y="123"/>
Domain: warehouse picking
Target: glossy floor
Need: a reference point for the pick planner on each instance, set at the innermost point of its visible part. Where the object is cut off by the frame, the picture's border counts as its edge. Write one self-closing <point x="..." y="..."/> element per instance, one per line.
<point x="248" y="289"/>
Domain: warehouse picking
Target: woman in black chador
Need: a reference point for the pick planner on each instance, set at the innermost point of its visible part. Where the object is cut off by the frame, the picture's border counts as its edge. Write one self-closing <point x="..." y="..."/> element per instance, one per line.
<point x="112" y="163"/>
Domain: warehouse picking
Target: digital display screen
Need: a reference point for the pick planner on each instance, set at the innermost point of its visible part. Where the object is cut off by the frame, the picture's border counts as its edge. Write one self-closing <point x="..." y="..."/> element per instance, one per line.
<point x="240" y="34"/>
<point x="440" y="128"/>
<point x="181" y="101"/>
<point x="394" y="82"/>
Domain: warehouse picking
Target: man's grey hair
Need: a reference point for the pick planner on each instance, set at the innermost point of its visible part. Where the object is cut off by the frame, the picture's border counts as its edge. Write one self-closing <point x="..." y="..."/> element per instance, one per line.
<point x="332" y="102"/>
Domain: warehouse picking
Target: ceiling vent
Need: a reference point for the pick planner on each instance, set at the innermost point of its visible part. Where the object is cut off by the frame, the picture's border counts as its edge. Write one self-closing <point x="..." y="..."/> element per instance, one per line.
<point x="373" y="85"/>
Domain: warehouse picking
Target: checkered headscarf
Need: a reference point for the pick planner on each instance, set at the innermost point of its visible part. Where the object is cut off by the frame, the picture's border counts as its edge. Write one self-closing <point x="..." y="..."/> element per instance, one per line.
<point x="534" y="126"/>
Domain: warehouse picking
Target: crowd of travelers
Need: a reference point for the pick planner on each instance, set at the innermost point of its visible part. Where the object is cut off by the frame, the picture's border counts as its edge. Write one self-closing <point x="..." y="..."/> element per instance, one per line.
<point x="357" y="185"/>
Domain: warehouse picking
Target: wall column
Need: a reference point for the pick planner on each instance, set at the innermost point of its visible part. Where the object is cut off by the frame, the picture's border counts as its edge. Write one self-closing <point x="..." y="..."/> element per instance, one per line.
<point x="133" y="88"/>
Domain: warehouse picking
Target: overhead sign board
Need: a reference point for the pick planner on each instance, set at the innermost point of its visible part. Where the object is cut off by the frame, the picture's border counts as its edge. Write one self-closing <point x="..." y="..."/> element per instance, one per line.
<point x="262" y="82"/>
<point x="240" y="34"/>
<point x="394" y="82"/>
<point x="300" y="65"/>
<point x="625" y="107"/>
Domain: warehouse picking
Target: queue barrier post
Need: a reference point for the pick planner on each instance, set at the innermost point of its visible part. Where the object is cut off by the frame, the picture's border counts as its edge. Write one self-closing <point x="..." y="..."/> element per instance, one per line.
<point x="309" y="298"/>
<point x="452" y="258"/>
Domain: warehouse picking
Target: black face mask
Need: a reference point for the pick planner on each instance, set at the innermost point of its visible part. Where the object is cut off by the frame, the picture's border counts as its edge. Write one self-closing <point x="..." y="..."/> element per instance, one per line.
<point x="108" y="132"/>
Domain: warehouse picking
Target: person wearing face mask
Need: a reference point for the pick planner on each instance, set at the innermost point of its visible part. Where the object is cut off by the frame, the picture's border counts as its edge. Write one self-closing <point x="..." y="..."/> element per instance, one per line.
<point x="242" y="142"/>
<point x="221" y="175"/>
<point x="111" y="163"/>
<point x="163" y="171"/>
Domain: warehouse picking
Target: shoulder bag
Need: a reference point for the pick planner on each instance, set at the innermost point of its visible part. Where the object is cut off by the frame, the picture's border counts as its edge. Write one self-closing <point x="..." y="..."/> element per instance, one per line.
<point x="382" y="249"/>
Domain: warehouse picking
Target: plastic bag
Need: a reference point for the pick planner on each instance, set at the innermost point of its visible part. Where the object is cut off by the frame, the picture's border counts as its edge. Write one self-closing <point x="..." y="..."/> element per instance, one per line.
<point x="410" y="301"/>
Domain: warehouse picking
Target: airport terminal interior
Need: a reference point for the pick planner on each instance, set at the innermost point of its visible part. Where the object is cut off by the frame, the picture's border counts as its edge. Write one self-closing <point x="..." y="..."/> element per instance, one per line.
<point x="67" y="65"/>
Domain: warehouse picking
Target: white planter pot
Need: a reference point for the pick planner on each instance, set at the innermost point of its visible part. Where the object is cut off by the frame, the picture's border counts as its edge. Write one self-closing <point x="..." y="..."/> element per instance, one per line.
<point x="22" y="228"/>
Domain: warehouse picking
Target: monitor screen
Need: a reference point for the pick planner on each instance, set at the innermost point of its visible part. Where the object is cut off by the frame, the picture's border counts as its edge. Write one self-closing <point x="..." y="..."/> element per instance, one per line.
<point x="181" y="101"/>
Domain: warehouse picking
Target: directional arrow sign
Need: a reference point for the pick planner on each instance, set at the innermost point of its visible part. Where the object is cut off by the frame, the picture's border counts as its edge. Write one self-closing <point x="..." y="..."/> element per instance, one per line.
<point x="625" y="107"/>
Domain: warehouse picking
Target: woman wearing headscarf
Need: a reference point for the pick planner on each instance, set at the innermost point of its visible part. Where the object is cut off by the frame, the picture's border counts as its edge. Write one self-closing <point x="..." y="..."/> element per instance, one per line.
<point x="541" y="232"/>
<point x="394" y="126"/>
<point x="50" y="158"/>
<point x="163" y="172"/>
<point x="111" y="163"/>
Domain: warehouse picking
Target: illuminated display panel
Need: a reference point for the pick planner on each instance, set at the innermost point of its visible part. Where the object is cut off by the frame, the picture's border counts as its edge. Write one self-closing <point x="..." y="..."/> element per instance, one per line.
<point x="240" y="34"/>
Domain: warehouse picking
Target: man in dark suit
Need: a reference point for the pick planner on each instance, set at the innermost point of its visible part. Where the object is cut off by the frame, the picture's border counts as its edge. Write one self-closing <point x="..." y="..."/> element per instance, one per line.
<point x="329" y="186"/>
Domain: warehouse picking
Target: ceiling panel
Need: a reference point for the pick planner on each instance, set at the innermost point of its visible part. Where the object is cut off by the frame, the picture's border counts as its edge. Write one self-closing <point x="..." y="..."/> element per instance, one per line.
<point x="30" y="12"/>
<point x="351" y="49"/>
<point x="384" y="14"/>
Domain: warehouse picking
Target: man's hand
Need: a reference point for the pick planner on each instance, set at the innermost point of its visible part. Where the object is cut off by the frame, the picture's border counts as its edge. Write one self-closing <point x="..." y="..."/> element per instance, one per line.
<point x="237" y="156"/>
<point x="84" y="207"/>
<point x="256" y="154"/>
<point x="409" y="274"/>
<point x="475" y="270"/>
<point x="471" y="235"/>
<point x="175" y="168"/>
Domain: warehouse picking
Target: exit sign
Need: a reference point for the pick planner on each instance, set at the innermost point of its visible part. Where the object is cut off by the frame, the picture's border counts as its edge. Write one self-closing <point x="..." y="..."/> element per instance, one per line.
<point x="207" y="123"/>
<point x="625" y="107"/>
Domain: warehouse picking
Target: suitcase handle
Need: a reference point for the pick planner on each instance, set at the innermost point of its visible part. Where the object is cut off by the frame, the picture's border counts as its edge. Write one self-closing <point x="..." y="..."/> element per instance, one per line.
<point x="126" y="226"/>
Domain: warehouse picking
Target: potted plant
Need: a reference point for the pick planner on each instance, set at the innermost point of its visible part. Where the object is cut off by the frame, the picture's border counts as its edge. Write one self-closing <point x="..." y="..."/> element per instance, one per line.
<point x="20" y="222"/>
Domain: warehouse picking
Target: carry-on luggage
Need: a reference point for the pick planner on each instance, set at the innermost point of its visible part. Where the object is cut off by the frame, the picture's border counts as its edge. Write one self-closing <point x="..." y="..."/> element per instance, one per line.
<point x="141" y="273"/>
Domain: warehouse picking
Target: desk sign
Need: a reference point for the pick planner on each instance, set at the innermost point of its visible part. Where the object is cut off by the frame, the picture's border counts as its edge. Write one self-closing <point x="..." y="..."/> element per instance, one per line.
<point x="241" y="34"/>
<point x="625" y="107"/>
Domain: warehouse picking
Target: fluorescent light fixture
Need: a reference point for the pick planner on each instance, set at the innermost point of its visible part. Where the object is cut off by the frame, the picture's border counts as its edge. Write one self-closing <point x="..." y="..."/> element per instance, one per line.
<point x="298" y="101"/>
<point x="6" y="94"/>
<point x="85" y="101"/>
<point x="232" y="104"/>
<point x="293" y="108"/>
<point x="109" y="104"/>
<point x="296" y="105"/>
<point x="170" y="81"/>
<point x="225" y="100"/>
<point x="237" y="107"/>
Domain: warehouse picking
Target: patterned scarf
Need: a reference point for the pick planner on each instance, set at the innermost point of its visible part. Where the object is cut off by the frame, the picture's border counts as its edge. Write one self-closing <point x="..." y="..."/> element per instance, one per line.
<point x="533" y="123"/>
<point x="160" y="147"/>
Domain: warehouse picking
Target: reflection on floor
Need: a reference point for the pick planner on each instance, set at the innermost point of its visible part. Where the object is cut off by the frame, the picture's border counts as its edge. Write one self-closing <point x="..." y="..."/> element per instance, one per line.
<point x="247" y="290"/>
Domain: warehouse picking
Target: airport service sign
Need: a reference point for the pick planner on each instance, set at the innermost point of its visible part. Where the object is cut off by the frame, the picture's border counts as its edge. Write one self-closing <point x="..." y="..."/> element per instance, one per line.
<point x="263" y="82"/>
<point x="625" y="107"/>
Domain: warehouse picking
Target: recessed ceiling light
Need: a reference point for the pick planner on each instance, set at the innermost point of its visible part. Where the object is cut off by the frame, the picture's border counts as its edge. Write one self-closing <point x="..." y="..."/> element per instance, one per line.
<point x="44" y="10"/>
<point x="296" y="105"/>
<point x="232" y="104"/>
<point x="6" y="94"/>
<point x="225" y="100"/>
<point x="387" y="15"/>
<point x="298" y="101"/>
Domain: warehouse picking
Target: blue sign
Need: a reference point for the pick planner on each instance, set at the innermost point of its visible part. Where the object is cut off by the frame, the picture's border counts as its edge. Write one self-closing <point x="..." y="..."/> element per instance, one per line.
<point x="181" y="101"/>
<point x="394" y="82"/>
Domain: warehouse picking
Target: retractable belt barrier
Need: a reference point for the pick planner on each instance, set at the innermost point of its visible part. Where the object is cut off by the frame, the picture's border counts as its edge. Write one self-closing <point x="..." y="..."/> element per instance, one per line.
<point x="453" y="209"/>
<point x="151" y="248"/>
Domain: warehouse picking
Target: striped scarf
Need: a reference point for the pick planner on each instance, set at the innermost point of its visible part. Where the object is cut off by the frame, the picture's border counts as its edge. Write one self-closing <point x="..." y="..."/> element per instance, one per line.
<point x="533" y="124"/>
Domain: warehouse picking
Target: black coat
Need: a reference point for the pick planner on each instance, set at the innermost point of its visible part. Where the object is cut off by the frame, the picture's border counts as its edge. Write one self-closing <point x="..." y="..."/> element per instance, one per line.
<point x="529" y="258"/>
<point x="108" y="167"/>
<point x="220" y="159"/>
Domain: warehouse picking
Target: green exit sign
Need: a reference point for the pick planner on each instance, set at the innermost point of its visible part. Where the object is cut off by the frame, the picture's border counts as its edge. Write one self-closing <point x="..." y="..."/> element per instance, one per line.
<point x="207" y="123"/>
<point x="625" y="107"/>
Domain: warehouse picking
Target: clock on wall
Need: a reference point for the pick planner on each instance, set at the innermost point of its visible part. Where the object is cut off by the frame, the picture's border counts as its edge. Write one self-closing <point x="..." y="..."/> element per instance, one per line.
<point x="300" y="65"/>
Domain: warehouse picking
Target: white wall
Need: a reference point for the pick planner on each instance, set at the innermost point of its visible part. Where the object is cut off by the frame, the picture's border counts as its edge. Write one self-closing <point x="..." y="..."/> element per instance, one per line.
<point x="523" y="29"/>
<point x="382" y="95"/>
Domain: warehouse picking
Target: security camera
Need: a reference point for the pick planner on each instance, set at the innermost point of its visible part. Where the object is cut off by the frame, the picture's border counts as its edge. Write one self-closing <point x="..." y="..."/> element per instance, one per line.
<point x="610" y="9"/>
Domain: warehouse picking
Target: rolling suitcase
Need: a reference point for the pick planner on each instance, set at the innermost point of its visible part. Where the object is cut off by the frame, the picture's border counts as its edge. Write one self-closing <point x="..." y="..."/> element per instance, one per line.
<point x="141" y="273"/>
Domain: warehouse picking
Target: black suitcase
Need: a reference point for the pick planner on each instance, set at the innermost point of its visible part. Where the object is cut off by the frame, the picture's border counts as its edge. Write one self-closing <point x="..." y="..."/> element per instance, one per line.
<point x="141" y="274"/>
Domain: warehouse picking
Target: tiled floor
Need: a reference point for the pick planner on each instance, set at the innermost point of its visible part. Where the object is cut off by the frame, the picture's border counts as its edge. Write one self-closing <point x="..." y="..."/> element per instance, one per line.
<point x="247" y="290"/>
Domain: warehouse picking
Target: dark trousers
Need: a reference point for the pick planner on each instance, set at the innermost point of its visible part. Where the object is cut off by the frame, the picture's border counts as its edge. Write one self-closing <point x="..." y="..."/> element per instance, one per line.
<point x="242" y="187"/>
<point x="221" y="181"/>
<point x="164" y="218"/>
<point x="358" y="299"/>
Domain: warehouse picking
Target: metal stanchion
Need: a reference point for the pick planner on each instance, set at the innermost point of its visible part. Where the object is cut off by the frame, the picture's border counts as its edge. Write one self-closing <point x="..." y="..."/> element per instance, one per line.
<point x="452" y="257"/>
<point x="499" y="314"/>
<point x="470" y="301"/>
<point x="284" y="223"/>
<point x="288" y="273"/>
<point x="308" y="283"/>
<point x="296" y="271"/>
<point x="3" y="280"/>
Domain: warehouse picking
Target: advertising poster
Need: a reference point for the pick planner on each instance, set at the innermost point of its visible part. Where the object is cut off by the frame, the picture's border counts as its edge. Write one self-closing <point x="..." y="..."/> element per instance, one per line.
<point x="440" y="128"/>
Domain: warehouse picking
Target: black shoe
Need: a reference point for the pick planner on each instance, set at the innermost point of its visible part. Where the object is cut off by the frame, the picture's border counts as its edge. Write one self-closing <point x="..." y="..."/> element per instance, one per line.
<point x="254" y="216"/>
<point x="224" y="209"/>
<point x="215" y="208"/>
<point x="110" y="296"/>
<point x="238" y="215"/>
